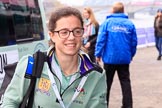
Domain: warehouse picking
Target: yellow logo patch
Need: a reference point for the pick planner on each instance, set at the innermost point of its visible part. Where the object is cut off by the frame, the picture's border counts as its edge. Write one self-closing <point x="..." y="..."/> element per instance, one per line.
<point x="44" y="84"/>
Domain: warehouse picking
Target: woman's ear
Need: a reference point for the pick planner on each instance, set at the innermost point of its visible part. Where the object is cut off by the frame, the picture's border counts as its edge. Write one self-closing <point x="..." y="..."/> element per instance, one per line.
<point x="51" y="35"/>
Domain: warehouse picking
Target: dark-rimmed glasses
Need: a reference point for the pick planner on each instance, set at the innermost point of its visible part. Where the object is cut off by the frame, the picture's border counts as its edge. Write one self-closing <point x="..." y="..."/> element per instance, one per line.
<point x="64" y="33"/>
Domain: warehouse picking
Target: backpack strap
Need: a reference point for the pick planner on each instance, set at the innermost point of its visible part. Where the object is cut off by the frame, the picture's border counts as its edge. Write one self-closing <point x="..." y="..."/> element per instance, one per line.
<point x="33" y="72"/>
<point x="40" y="58"/>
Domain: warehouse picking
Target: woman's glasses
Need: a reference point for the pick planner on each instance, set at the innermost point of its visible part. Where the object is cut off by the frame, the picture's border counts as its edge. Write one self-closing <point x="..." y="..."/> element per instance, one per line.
<point x="64" y="33"/>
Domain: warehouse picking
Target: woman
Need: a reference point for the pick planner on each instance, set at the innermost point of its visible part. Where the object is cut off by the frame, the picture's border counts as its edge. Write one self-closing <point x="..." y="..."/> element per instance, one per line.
<point x="68" y="79"/>
<point x="91" y="27"/>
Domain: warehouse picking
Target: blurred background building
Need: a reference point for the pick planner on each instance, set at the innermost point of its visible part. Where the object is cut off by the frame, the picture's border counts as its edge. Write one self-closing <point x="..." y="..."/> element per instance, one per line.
<point x="141" y="12"/>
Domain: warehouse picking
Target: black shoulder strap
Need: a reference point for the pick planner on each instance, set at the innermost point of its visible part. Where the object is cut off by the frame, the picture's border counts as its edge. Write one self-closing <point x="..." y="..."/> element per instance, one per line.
<point x="39" y="59"/>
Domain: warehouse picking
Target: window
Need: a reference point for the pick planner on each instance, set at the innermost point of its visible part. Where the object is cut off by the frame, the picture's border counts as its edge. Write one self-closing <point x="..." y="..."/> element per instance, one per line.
<point x="20" y="21"/>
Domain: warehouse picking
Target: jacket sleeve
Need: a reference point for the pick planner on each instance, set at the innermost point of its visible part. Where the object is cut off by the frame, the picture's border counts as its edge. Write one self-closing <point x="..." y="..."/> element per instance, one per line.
<point x="17" y="88"/>
<point x="92" y="39"/>
<point x="155" y="28"/>
<point x="98" y="98"/>
<point x="134" y="42"/>
<point x="101" y="40"/>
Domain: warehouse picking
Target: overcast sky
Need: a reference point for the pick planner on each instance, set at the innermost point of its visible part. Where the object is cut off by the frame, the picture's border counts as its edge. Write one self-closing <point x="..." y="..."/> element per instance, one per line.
<point x="98" y="2"/>
<point x="73" y="2"/>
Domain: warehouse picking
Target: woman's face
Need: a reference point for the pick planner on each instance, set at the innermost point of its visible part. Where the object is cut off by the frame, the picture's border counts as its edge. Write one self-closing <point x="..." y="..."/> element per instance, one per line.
<point x="86" y="14"/>
<point x="159" y="13"/>
<point x="70" y="45"/>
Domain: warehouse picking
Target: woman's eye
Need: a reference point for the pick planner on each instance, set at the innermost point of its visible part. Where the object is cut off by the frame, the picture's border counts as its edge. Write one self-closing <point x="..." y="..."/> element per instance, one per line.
<point x="64" y="32"/>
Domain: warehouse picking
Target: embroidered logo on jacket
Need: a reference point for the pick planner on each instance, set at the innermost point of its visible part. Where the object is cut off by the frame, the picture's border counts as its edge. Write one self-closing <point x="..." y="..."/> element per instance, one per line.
<point x="44" y="84"/>
<point x="80" y="98"/>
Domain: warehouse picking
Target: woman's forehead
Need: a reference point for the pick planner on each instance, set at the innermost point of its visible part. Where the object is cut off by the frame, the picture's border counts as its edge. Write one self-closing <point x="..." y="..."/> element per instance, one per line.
<point x="69" y="21"/>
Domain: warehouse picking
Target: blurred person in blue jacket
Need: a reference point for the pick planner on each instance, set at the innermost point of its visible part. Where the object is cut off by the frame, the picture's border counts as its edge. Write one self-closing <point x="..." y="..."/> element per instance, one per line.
<point x="116" y="44"/>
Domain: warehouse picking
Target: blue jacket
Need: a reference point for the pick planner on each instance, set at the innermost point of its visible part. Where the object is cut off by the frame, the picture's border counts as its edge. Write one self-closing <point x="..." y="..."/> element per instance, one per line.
<point x="117" y="40"/>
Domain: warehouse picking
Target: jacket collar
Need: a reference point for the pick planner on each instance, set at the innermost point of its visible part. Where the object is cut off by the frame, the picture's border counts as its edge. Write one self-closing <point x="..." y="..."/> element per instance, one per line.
<point x="116" y="15"/>
<point x="86" y="64"/>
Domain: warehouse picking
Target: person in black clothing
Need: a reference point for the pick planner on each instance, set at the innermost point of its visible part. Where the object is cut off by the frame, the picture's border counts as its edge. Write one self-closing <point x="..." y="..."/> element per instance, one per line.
<point x="116" y="47"/>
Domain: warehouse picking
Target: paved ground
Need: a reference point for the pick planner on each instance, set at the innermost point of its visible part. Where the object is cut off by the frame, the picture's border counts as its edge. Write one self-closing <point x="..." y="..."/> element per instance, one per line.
<point x="146" y="79"/>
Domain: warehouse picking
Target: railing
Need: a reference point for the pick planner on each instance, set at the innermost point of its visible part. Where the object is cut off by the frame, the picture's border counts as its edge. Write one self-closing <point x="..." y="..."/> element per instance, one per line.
<point x="145" y="37"/>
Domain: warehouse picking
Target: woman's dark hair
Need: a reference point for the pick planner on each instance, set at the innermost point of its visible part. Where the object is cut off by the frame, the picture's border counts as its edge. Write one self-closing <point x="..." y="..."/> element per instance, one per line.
<point x="159" y="10"/>
<point x="63" y="12"/>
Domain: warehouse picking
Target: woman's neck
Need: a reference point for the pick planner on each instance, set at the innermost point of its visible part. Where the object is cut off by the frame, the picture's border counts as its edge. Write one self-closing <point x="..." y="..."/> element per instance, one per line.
<point x="68" y="65"/>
